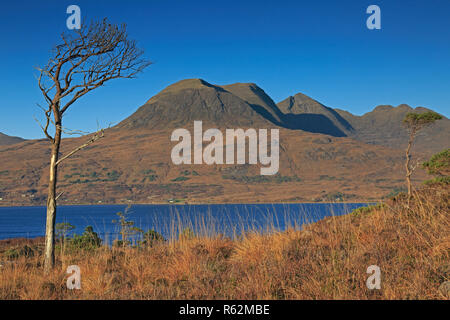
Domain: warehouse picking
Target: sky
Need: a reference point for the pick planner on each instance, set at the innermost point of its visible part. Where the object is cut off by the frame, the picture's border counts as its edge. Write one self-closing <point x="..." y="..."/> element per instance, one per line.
<point x="320" y="48"/>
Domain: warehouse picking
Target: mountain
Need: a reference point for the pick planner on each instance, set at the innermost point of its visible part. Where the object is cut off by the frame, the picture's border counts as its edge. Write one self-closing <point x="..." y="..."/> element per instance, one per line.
<point x="194" y="99"/>
<point x="8" y="140"/>
<point x="247" y="105"/>
<point x="258" y="100"/>
<point x="383" y="126"/>
<point x="132" y="163"/>
<point x="302" y="112"/>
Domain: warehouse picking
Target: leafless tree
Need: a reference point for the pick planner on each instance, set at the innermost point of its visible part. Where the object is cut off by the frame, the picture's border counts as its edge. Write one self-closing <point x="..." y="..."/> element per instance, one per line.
<point x="85" y="60"/>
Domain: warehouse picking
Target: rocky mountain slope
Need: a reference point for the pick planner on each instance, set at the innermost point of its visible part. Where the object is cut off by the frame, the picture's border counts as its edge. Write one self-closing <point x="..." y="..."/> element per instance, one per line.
<point x="302" y="112"/>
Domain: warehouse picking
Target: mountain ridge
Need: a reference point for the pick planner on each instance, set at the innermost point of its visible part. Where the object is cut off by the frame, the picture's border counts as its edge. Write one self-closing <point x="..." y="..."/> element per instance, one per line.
<point x="248" y="105"/>
<point x="9" y="140"/>
<point x="188" y="100"/>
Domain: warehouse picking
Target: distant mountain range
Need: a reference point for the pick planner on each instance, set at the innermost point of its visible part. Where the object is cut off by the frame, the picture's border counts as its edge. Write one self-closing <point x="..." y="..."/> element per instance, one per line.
<point x="326" y="154"/>
<point x="245" y="104"/>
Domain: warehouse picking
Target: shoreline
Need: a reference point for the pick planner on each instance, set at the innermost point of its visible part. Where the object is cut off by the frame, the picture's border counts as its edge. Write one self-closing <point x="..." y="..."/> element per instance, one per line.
<point x="192" y="203"/>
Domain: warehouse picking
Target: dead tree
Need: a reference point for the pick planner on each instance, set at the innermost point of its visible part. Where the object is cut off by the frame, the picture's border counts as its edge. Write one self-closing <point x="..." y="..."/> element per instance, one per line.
<point x="414" y="122"/>
<point x="85" y="60"/>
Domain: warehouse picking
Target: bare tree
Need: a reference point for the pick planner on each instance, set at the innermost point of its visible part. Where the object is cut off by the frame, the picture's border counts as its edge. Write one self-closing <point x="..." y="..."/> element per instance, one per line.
<point x="85" y="60"/>
<point x="414" y="122"/>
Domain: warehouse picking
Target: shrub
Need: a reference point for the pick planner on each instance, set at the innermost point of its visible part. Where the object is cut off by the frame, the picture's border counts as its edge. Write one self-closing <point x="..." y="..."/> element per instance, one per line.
<point x="438" y="180"/>
<point x="11" y="254"/>
<point x="152" y="237"/>
<point x="180" y="179"/>
<point x="396" y="191"/>
<point x="14" y="253"/>
<point x="439" y="164"/>
<point x="89" y="240"/>
<point x="366" y="210"/>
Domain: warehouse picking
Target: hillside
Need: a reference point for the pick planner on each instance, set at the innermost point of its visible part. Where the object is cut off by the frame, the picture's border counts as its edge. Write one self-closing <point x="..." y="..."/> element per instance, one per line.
<point x="383" y="126"/>
<point x="8" y="140"/>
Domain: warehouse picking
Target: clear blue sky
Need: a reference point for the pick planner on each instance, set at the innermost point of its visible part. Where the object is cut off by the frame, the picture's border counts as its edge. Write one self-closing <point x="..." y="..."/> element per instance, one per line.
<point x="320" y="48"/>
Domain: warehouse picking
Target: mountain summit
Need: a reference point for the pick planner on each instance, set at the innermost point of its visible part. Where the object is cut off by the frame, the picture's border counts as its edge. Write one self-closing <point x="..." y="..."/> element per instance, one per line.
<point x="194" y="99"/>
<point x="305" y="113"/>
<point x="258" y="100"/>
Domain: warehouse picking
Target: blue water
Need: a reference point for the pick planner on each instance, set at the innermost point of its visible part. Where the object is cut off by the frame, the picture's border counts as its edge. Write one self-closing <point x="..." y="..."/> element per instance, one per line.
<point x="228" y="219"/>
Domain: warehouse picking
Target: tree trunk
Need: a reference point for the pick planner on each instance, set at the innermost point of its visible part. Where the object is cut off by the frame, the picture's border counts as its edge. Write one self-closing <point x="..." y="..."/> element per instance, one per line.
<point x="49" y="259"/>
<point x="407" y="165"/>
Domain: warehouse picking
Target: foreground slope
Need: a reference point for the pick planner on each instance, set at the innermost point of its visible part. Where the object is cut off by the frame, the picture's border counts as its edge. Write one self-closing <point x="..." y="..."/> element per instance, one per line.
<point x="325" y="260"/>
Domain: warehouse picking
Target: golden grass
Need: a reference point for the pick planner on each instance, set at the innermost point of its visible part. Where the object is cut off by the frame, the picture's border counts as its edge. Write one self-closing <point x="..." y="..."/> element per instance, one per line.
<point x="325" y="260"/>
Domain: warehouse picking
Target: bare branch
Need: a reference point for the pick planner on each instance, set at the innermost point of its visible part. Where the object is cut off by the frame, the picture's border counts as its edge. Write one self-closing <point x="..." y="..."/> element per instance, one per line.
<point x="85" y="60"/>
<point x="96" y="136"/>
<point x="48" y="120"/>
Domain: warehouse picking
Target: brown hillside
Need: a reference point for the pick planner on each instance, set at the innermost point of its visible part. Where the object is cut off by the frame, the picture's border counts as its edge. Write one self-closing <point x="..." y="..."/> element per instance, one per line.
<point x="135" y="166"/>
<point x="8" y="140"/>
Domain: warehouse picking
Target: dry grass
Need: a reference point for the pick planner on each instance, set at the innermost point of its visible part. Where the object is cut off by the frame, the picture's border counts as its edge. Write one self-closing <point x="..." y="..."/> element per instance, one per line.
<point x="326" y="260"/>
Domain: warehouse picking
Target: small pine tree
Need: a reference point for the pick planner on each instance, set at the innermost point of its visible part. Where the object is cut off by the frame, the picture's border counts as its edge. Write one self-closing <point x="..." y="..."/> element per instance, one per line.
<point x="62" y="231"/>
<point x="414" y="122"/>
<point x="439" y="166"/>
<point x="126" y="227"/>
